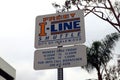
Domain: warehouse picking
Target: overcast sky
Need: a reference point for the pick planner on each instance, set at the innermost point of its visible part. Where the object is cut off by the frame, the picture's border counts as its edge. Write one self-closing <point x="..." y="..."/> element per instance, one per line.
<point x="17" y="29"/>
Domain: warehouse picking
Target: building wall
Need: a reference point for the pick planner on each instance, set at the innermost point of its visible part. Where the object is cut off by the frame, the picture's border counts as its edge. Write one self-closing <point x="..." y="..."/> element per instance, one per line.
<point x="2" y="78"/>
<point x="7" y="70"/>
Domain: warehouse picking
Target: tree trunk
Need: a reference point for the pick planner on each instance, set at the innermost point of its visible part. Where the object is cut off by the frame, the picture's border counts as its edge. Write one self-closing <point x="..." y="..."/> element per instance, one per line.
<point x="99" y="74"/>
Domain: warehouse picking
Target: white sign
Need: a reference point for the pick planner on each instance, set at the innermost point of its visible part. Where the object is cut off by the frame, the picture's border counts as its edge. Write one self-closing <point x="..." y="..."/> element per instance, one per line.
<point x="59" y="29"/>
<point x="60" y="57"/>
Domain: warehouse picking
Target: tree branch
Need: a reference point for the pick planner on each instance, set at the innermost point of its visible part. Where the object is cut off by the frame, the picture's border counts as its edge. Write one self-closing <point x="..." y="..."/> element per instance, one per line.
<point x="97" y="7"/>
<point x="89" y="11"/>
<point x="77" y="5"/>
<point x="97" y="14"/>
<point x="114" y="12"/>
<point x="105" y="5"/>
<point x="106" y="19"/>
<point x="118" y="15"/>
<point x="113" y="24"/>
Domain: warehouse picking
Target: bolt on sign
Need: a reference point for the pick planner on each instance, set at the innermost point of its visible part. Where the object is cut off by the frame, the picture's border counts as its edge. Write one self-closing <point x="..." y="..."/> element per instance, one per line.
<point x="59" y="29"/>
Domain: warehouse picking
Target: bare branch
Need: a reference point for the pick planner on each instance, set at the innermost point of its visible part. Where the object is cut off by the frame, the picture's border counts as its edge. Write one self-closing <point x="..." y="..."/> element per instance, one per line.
<point x="113" y="24"/>
<point x="77" y="5"/>
<point x="105" y="5"/>
<point x="106" y="19"/>
<point x="89" y="11"/>
<point x="118" y="15"/>
<point x="114" y="12"/>
<point x="97" y="7"/>
<point x="101" y="11"/>
<point x="94" y="12"/>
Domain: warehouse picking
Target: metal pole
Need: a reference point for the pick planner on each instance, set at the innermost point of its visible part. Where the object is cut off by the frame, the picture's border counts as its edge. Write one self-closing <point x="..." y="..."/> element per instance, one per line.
<point x="60" y="71"/>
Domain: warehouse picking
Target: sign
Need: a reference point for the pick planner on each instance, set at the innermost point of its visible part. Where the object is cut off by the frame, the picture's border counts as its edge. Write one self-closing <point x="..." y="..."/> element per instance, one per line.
<point x="60" y="57"/>
<point x="59" y="29"/>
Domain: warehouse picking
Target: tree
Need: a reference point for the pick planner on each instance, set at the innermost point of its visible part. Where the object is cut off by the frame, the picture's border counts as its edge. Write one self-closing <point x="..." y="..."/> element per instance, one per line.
<point x="107" y="10"/>
<point x="113" y="73"/>
<point x="99" y="54"/>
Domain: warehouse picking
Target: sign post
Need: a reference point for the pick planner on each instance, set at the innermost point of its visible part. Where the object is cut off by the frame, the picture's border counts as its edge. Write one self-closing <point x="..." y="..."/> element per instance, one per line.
<point x="60" y="73"/>
<point x="60" y="70"/>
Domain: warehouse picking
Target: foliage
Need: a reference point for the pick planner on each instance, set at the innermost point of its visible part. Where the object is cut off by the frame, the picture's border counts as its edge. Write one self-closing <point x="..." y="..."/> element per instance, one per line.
<point x="99" y="54"/>
<point x="104" y="9"/>
<point x="113" y="73"/>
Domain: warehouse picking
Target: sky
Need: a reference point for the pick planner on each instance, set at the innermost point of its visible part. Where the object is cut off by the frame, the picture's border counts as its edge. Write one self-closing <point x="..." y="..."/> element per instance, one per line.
<point x="17" y="30"/>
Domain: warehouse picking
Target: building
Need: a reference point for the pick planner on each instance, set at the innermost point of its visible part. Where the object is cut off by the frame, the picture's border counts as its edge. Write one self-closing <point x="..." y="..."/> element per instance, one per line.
<point x="7" y="72"/>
